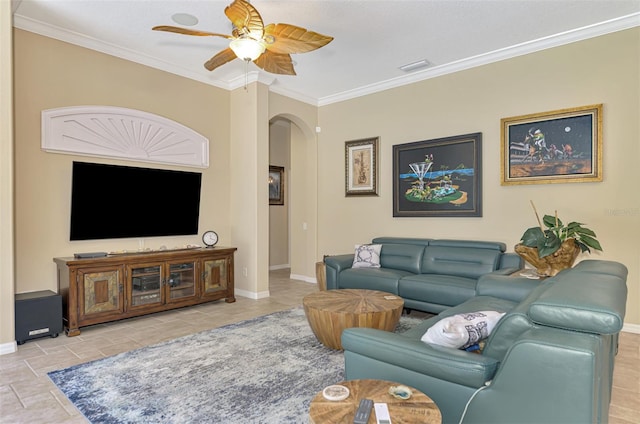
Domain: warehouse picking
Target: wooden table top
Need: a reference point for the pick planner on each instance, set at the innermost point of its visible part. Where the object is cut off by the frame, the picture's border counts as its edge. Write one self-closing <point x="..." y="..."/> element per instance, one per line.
<point x="356" y="301"/>
<point x="417" y="409"/>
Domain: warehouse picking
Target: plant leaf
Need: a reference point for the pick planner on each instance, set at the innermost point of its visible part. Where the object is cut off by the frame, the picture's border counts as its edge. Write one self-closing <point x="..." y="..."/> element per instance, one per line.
<point x="591" y="242"/>
<point x="533" y="237"/>
<point x="549" y="221"/>
<point x="550" y="245"/>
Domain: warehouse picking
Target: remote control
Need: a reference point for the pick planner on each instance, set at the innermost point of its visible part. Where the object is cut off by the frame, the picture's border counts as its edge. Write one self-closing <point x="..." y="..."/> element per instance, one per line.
<point x="363" y="412"/>
<point x="382" y="413"/>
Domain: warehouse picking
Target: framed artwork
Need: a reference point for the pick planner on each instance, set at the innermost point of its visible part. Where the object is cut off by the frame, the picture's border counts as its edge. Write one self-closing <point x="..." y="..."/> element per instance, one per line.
<point x="361" y="167"/>
<point x="561" y="146"/>
<point x="441" y="177"/>
<point x="276" y="185"/>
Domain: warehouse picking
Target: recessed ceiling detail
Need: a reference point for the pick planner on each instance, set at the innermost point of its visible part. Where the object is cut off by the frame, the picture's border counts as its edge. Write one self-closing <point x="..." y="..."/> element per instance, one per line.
<point x="115" y="132"/>
<point x="185" y="19"/>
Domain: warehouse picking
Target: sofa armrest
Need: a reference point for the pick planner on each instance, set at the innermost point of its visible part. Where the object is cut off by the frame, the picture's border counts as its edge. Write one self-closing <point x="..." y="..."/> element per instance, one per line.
<point x="453" y="365"/>
<point x="506" y="287"/>
<point x="334" y="265"/>
<point x="548" y="376"/>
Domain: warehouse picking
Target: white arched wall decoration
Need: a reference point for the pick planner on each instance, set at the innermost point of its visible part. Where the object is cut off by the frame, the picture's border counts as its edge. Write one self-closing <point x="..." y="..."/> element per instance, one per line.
<point x="121" y="133"/>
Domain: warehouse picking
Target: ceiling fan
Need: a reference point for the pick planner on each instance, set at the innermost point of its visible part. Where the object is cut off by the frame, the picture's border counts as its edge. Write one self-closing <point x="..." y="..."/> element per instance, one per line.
<point x="269" y="47"/>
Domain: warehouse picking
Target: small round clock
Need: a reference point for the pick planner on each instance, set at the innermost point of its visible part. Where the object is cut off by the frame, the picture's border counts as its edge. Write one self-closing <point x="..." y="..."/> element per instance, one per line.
<point x="210" y="238"/>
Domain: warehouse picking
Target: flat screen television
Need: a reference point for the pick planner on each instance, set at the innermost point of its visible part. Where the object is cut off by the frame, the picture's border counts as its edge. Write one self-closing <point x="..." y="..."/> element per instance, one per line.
<point x="111" y="201"/>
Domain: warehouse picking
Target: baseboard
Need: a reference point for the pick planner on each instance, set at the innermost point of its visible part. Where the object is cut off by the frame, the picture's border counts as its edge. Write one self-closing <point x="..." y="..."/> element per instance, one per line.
<point x="252" y="295"/>
<point x="7" y="348"/>
<point x="303" y="278"/>
<point x="276" y="267"/>
<point x="631" y="328"/>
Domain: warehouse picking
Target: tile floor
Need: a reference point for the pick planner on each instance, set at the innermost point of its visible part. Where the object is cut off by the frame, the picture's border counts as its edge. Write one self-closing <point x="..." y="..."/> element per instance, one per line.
<point x="28" y="396"/>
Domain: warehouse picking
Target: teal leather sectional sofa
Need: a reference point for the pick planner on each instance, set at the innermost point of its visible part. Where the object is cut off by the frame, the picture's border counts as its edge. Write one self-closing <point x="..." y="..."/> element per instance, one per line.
<point x="430" y="275"/>
<point x="549" y="359"/>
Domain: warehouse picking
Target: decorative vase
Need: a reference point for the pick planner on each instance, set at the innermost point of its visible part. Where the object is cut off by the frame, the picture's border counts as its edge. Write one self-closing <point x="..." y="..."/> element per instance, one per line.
<point x="550" y="265"/>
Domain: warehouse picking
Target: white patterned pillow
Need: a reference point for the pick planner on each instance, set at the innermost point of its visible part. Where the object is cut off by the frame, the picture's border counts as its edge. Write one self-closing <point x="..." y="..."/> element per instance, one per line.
<point x="462" y="330"/>
<point x="367" y="256"/>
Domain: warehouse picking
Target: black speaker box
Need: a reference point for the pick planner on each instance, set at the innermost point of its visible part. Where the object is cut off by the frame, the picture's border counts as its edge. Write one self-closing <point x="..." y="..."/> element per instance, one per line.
<point x="38" y="314"/>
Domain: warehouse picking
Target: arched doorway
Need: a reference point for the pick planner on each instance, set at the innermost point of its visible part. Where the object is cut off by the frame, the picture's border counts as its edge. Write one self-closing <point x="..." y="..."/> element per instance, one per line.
<point x="294" y="146"/>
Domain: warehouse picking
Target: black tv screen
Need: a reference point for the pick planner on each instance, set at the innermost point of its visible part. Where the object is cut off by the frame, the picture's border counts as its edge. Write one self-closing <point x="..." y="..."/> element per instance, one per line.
<point x="111" y="201"/>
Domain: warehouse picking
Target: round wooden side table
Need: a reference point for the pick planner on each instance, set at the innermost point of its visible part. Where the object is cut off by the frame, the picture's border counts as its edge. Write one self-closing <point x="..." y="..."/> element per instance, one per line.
<point x="329" y="312"/>
<point x="419" y="408"/>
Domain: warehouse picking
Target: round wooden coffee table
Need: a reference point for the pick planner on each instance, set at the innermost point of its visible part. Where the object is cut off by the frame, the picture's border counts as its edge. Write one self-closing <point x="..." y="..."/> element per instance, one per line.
<point x="329" y="312"/>
<point x="419" y="408"/>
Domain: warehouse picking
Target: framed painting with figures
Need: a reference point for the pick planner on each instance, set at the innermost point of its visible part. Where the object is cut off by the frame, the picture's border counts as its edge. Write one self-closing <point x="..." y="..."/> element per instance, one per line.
<point x="440" y="177"/>
<point x="561" y="146"/>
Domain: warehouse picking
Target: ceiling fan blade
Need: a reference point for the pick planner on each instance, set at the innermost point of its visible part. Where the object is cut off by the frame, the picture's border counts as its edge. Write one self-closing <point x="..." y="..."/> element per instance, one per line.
<point x="186" y="31"/>
<point x="293" y="39"/>
<point x="275" y="63"/>
<point x="246" y="19"/>
<point x="226" y="55"/>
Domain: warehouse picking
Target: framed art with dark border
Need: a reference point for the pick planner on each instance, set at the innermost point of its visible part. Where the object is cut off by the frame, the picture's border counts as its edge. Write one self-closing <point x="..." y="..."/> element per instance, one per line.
<point x="561" y="146"/>
<point x="440" y="177"/>
<point x="276" y="185"/>
<point x="361" y="167"/>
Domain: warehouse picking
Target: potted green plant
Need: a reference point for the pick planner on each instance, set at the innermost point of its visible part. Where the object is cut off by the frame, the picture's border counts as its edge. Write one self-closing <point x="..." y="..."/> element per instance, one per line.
<point x="553" y="246"/>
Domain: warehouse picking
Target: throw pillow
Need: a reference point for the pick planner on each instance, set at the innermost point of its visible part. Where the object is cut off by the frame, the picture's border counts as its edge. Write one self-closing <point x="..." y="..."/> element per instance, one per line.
<point x="462" y="330"/>
<point x="367" y="256"/>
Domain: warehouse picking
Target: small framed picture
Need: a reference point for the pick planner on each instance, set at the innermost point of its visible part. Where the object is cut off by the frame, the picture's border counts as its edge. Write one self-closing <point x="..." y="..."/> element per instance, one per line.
<point x="361" y="167"/>
<point x="561" y="146"/>
<point x="276" y="185"/>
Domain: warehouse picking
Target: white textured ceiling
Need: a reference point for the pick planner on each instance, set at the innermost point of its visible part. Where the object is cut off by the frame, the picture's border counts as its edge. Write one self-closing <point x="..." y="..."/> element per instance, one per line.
<point x="372" y="38"/>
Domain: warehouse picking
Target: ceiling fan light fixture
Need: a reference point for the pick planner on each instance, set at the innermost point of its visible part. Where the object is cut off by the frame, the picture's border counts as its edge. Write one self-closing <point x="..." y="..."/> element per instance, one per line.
<point x="247" y="48"/>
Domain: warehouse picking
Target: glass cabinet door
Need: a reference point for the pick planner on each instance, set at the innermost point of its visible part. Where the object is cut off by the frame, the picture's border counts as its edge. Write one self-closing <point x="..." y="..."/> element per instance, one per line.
<point x="181" y="282"/>
<point x="146" y="285"/>
<point x="215" y="275"/>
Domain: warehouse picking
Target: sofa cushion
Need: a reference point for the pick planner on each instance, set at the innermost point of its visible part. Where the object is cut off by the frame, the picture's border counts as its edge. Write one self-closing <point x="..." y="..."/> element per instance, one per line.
<point x="446" y="290"/>
<point x="588" y="302"/>
<point x="405" y="257"/>
<point x="460" y="261"/>
<point x="462" y="330"/>
<point x="601" y="267"/>
<point x="367" y="256"/>
<point x="382" y="279"/>
<point x="475" y="244"/>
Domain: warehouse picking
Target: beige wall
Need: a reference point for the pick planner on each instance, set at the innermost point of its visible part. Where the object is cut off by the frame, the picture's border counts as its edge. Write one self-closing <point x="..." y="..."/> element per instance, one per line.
<point x="7" y="289"/>
<point x="601" y="70"/>
<point x="51" y="74"/>
<point x="279" y="154"/>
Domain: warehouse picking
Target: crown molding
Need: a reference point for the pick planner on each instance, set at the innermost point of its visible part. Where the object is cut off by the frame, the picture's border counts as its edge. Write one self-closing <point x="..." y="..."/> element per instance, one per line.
<point x="579" y="34"/>
<point x="567" y="37"/>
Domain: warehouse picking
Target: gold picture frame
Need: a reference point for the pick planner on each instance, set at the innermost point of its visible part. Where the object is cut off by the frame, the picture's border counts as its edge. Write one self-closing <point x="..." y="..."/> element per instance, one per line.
<point x="361" y="167"/>
<point x="560" y="146"/>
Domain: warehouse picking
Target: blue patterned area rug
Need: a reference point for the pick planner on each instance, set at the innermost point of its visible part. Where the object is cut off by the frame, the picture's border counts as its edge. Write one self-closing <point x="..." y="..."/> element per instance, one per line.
<point x="263" y="370"/>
